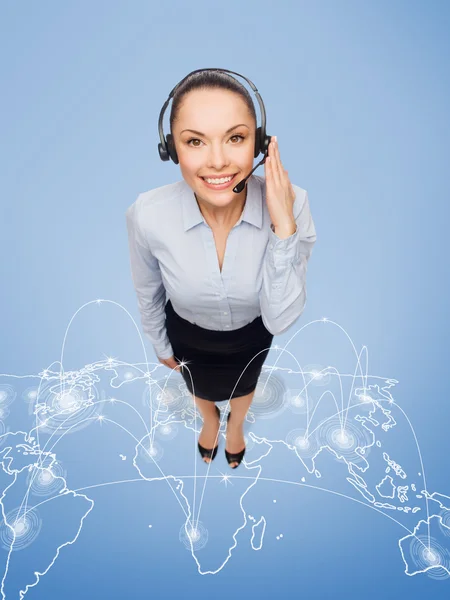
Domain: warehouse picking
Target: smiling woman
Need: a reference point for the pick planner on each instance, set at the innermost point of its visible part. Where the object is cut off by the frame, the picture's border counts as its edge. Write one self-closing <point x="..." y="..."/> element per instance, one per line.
<point x="214" y="281"/>
<point x="224" y="123"/>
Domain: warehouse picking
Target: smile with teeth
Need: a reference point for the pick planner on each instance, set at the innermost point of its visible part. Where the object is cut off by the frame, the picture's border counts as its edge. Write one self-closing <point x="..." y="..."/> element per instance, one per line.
<point x="217" y="181"/>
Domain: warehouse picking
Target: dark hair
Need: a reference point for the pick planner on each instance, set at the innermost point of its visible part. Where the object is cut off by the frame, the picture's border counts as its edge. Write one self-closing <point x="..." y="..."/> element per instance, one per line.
<point x="209" y="80"/>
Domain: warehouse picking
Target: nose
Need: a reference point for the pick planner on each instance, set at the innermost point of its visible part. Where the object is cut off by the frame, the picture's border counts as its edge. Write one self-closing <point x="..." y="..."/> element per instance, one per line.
<point x="217" y="157"/>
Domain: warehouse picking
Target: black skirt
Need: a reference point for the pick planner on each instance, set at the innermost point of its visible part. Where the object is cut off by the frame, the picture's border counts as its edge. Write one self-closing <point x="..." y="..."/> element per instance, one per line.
<point x="217" y="359"/>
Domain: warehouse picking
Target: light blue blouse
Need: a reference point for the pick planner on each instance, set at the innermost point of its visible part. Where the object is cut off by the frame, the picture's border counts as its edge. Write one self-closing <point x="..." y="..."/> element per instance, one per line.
<point x="173" y="255"/>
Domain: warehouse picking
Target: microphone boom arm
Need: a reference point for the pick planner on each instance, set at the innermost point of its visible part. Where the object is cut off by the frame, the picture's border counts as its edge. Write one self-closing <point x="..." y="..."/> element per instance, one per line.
<point x="240" y="186"/>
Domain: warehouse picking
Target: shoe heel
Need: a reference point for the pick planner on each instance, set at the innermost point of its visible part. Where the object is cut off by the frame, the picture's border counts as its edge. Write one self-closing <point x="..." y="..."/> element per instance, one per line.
<point x="237" y="457"/>
<point x="206" y="452"/>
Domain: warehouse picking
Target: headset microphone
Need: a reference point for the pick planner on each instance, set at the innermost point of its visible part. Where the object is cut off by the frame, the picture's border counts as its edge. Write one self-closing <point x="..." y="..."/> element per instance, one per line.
<point x="240" y="186"/>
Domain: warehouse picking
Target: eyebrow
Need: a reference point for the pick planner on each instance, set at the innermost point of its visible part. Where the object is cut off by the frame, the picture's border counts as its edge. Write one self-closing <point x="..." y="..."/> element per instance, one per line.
<point x="227" y="131"/>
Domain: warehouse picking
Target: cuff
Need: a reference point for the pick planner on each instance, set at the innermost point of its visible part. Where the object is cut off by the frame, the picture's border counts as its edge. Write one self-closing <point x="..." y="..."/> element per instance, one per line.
<point x="164" y="349"/>
<point x="283" y="252"/>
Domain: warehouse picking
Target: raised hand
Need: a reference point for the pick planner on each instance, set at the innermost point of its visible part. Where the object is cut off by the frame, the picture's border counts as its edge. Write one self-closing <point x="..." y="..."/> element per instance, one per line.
<point x="280" y="194"/>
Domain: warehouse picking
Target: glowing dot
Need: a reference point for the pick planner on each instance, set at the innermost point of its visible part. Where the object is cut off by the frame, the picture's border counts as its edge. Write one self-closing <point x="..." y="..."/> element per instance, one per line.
<point x="298" y="401"/>
<point x="274" y="500"/>
<point x="301" y="442"/>
<point x="67" y="401"/>
<point x="430" y="556"/>
<point x="194" y="535"/>
<point x="46" y="477"/>
<point x="281" y="535"/>
<point x="20" y="527"/>
<point x="316" y="375"/>
<point x="342" y="437"/>
<point x="168" y="397"/>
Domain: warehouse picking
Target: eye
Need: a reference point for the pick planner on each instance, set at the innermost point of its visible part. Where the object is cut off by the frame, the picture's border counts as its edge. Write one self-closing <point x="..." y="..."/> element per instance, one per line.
<point x="193" y="140"/>
<point x="197" y="140"/>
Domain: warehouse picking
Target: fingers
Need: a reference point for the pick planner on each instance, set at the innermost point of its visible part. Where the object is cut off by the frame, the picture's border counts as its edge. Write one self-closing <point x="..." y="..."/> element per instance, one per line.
<point x="283" y="174"/>
<point x="274" y="162"/>
<point x="271" y="170"/>
<point x="171" y="363"/>
<point x="275" y="171"/>
<point x="276" y="153"/>
<point x="277" y="176"/>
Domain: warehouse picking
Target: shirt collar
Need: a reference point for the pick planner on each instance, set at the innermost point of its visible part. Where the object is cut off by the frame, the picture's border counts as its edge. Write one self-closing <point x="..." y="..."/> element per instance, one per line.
<point x="252" y="212"/>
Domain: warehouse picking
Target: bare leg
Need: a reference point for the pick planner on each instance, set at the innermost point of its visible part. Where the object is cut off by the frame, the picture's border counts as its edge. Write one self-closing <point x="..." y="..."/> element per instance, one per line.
<point x="235" y="429"/>
<point x="209" y="433"/>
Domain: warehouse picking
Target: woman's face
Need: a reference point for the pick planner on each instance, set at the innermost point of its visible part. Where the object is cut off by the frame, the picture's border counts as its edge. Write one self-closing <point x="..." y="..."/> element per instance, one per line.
<point x="214" y="137"/>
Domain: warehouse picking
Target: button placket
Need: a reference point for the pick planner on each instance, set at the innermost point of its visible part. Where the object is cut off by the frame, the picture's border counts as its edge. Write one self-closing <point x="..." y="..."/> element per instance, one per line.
<point x="228" y="266"/>
<point x="214" y="271"/>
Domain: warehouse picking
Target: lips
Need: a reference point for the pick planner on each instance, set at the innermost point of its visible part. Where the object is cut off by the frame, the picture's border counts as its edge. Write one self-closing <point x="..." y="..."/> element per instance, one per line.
<point x="218" y="176"/>
<point x="220" y="186"/>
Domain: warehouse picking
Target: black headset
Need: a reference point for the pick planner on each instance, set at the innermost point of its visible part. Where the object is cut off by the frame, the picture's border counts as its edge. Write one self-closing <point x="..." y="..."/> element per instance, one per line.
<point x="166" y="147"/>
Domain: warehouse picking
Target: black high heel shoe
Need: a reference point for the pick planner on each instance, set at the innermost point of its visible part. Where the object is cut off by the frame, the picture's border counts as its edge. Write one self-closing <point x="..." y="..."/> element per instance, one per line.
<point x="205" y="453"/>
<point x="237" y="457"/>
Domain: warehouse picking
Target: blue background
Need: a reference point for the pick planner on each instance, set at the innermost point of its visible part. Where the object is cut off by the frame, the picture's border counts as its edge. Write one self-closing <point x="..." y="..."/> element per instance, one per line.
<point x="358" y="95"/>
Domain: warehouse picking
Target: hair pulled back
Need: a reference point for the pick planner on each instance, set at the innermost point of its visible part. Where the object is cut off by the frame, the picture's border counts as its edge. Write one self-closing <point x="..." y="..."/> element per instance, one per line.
<point x="204" y="80"/>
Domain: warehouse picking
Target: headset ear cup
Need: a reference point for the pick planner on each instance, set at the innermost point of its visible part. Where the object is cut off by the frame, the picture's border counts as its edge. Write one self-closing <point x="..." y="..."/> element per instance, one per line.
<point x="171" y="148"/>
<point x="163" y="152"/>
<point x="257" y="142"/>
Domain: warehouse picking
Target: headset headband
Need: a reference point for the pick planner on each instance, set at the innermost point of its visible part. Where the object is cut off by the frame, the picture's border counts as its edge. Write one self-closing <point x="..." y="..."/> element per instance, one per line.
<point x="166" y="147"/>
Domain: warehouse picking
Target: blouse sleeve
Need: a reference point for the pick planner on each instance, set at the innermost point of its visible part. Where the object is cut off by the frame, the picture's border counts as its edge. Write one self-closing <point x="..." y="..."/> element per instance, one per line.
<point x="148" y="284"/>
<point x="283" y="292"/>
